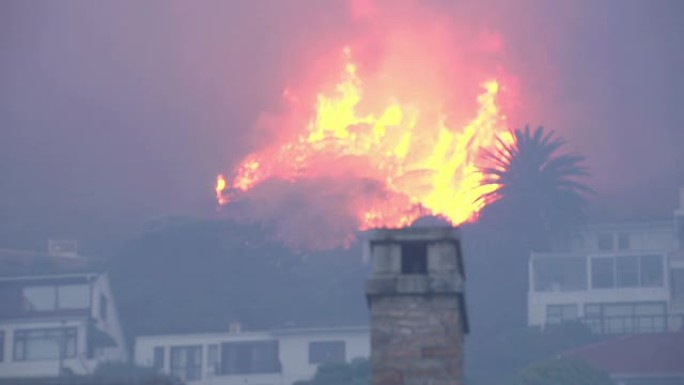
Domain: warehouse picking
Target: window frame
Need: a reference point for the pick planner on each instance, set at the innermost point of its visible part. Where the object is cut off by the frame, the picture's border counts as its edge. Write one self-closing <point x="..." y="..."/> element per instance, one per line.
<point x="619" y="271"/>
<point x="541" y="266"/>
<point x="236" y="350"/>
<point x="158" y="357"/>
<point x="2" y="345"/>
<point x="187" y="372"/>
<point x="630" y="322"/>
<point x="55" y="294"/>
<point x="67" y="344"/>
<point x="562" y="315"/>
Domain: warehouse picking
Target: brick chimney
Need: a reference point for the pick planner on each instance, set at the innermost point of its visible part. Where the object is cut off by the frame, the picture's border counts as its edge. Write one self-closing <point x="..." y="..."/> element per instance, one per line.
<point x="417" y="306"/>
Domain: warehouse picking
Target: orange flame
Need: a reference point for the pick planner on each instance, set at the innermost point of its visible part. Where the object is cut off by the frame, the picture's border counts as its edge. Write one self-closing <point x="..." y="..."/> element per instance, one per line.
<point x="425" y="166"/>
<point x="220" y="187"/>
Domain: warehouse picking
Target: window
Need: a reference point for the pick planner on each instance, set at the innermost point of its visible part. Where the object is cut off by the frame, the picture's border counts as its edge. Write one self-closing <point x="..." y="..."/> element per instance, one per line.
<point x="414" y="258"/>
<point x="629" y="317"/>
<point x="651" y="270"/>
<point x="250" y="357"/>
<point x="103" y="307"/>
<point x="557" y="314"/>
<point x="40" y="298"/>
<point x="623" y="241"/>
<point x="158" y="357"/>
<point x="603" y="273"/>
<point x="678" y="285"/>
<point x="560" y="273"/>
<point x="44" y="344"/>
<point x="627" y="271"/>
<point x="213" y="358"/>
<point x="186" y="362"/>
<point x="326" y="351"/>
<point x="606" y="241"/>
<point x="73" y="296"/>
<point x="2" y="345"/>
<point x="50" y="298"/>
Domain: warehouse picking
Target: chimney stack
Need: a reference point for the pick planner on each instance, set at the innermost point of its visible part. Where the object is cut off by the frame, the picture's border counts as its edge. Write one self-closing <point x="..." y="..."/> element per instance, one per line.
<point x="417" y="306"/>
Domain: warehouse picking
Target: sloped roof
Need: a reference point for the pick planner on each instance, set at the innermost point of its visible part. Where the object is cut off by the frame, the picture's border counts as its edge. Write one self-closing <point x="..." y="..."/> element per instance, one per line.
<point x="638" y="354"/>
<point x="17" y="263"/>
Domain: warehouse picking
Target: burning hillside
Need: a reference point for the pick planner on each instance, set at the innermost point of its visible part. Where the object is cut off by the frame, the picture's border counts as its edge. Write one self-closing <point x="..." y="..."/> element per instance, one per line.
<point x="390" y="131"/>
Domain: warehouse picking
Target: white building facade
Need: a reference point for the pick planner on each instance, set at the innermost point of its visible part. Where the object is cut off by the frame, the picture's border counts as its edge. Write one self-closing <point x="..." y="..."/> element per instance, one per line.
<point x="617" y="278"/>
<point x="57" y="316"/>
<point x="278" y="357"/>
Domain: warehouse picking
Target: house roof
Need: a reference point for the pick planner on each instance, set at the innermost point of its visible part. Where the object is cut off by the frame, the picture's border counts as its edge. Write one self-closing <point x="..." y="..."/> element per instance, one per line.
<point x="18" y="263"/>
<point x="638" y="354"/>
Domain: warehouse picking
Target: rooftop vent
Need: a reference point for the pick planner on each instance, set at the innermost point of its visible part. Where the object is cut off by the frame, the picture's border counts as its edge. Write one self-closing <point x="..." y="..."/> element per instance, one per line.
<point x="62" y="248"/>
<point x="235" y="327"/>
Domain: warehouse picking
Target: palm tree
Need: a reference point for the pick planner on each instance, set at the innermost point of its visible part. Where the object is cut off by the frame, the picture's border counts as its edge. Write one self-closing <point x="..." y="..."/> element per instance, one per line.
<point x="536" y="189"/>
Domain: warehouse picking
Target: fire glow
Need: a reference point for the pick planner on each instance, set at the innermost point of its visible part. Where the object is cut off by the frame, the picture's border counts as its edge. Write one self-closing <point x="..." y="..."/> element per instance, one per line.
<point x="424" y="165"/>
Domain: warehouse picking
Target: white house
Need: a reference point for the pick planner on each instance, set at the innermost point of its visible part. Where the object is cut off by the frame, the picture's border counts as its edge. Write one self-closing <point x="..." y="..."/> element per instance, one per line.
<point x="617" y="278"/>
<point x="276" y="357"/>
<point x="57" y="314"/>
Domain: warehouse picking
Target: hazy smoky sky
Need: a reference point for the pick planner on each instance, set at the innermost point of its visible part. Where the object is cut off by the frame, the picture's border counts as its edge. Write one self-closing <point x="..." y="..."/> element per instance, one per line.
<point x="115" y="112"/>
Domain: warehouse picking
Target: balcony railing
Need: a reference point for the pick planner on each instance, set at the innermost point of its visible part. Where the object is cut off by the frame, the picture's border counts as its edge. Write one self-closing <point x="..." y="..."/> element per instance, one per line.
<point x="634" y="324"/>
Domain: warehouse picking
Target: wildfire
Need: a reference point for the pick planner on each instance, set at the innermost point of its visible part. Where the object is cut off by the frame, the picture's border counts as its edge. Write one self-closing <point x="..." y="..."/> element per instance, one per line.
<point x="220" y="187"/>
<point x="424" y="165"/>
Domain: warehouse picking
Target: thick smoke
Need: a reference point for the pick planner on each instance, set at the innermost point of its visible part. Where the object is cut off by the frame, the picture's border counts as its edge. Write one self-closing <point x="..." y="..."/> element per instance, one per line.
<point x="115" y="111"/>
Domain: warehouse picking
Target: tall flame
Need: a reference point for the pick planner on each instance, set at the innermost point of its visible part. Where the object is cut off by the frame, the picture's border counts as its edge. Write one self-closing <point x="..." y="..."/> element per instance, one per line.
<point x="424" y="165"/>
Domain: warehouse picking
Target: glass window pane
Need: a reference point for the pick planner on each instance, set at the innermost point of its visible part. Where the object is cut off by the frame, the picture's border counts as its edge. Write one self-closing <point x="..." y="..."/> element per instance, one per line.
<point x="651" y="270"/>
<point x="250" y="357"/>
<point x="649" y="309"/>
<point x="618" y="310"/>
<point x="556" y="314"/>
<point x="605" y="241"/>
<point x="39" y="298"/>
<point x="592" y="310"/>
<point x="602" y="272"/>
<point x="186" y="362"/>
<point x="623" y="241"/>
<point x="158" y="357"/>
<point x="212" y="357"/>
<point x="627" y="271"/>
<point x="44" y="344"/>
<point x="560" y="273"/>
<point x="73" y="296"/>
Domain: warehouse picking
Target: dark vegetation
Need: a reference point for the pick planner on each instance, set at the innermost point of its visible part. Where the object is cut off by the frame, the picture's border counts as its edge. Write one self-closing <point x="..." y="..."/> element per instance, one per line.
<point x="188" y="276"/>
<point x="562" y="372"/>
<point x="357" y="372"/>
<point x="194" y="275"/>
<point x="105" y="374"/>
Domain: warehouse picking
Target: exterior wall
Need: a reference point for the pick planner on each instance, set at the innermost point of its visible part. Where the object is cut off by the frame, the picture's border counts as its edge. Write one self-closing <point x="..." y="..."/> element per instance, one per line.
<point x="293" y="352"/>
<point x="111" y="324"/>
